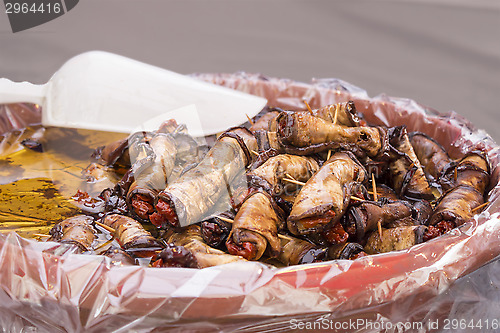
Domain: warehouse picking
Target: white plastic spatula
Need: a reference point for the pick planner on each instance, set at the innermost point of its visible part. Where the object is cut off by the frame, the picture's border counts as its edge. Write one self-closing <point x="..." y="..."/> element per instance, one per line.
<point x="103" y="91"/>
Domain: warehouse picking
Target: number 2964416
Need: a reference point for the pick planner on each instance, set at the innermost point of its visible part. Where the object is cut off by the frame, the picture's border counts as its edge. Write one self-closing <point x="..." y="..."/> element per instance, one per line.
<point x="26" y="8"/>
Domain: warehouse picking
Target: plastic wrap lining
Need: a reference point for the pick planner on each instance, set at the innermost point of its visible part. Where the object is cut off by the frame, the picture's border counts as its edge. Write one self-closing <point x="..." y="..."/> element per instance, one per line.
<point x="44" y="285"/>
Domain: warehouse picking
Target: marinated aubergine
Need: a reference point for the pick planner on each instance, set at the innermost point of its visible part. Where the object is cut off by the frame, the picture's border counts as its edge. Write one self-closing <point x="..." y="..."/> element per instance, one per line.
<point x="407" y="175"/>
<point x="366" y="217"/>
<point x="270" y="175"/>
<point x="297" y="187"/>
<point x="303" y="134"/>
<point x="395" y="239"/>
<point x="324" y="198"/>
<point x="348" y="251"/>
<point x="76" y="230"/>
<point x="142" y="193"/>
<point x="472" y="170"/>
<point x="206" y="256"/>
<point x="255" y="228"/>
<point x="216" y="229"/>
<point x="295" y="251"/>
<point x="344" y="114"/>
<point x="466" y="182"/>
<point x="190" y="198"/>
<point x="431" y="155"/>
<point x="132" y="236"/>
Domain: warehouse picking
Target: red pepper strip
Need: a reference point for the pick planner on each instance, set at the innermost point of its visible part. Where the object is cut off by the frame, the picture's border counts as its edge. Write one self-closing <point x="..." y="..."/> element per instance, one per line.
<point x="438" y="230"/>
<point x="336" y="235"/>
<point x="158" y="263"/>
<point x="247" y="250"/>
<point x="311" y="222"/>
<point x="166" y="215"/>
<point x="142" y="205"/>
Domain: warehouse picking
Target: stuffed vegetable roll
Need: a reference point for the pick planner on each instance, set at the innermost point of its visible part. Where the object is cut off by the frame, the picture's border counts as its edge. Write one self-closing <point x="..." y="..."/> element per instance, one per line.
<point x="430" y="153"/>
<point x="325" y="197"/>
<point x="472" y="170"/>
<point x="347" y="251"/>
<point x="456" y="206"/>
<point x="206" y="256"/>
<point x="343" y="113"/>
<point x="302" y="134"/>
<point x="132" y="236"/>
<point x="295" y="251"/>
<point x="407" y="175"/>
<point x="191" y="198"/>
<point x="366" y="216"/>
<point x="175" y="256"/>
<point x="150" y="181"/>
<point x="255" y="228"/>
<point x="269" y="175"/>
<point x="216" y="229"/>
<point x="395" y="239"/>
<point x="262" y="124"/>
<point x="76" y="230"/>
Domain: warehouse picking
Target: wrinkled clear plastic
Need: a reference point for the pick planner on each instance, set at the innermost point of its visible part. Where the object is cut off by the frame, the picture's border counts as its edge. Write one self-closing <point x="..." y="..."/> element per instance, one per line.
<point x="46" y="286"/>
<point x="18" y="116"/>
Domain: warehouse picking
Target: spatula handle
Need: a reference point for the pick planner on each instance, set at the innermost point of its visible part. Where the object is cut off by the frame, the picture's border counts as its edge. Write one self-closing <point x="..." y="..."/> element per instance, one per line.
<point x="21" y="92"/>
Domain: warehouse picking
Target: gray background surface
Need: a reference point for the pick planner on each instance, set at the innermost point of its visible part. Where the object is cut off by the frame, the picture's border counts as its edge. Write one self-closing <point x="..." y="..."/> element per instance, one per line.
<point x="444" y="54"/>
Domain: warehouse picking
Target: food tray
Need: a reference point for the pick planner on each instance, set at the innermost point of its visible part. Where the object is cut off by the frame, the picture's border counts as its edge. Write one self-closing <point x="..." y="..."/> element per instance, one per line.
<point x="45" y="285"/>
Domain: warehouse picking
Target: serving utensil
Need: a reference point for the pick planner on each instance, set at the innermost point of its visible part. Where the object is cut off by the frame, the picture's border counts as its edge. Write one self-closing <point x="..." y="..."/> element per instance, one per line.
<point x="103" y="91"/>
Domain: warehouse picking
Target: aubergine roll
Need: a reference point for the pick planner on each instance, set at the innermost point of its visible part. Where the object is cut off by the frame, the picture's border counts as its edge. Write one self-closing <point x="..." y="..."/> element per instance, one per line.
<point x="262" y="124"/>
<point x="132" y="236"/>
<point x="432" y="156"/>
<point x="191" y="197"/>
<point x="295" y="251"/>
<point x="271" y="173"/>
<point x="395" y="239"/>
<point x="324" y="199"/>
<point x="347" y="251"/>
<point x="119" y="257"/>
<point x="343" y="113"/>
<point x="472" y="170"/>
<point x="302" y="134"/>
<point x="365" y="217"/>
<point x="408" y="178"/>
<point x="216" y="229"/>
<point x="457" y="205"/>
<point x="143" y="192"/>
<point x="76" y="230"/>
<point x="206" y="256"/>
<point x="255" y="228"/>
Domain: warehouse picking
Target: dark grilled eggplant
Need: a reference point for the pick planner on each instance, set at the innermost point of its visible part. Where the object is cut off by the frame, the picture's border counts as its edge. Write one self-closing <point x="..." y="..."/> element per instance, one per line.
<point x="408" y="178"/>
<point x="76" y="230"/>
<point x="295" y="251"/>
<point x="190" y="198"/>
<point x="255" y="228"/>
<point x="206" y="256"/>
<point x="325" y="197"/>
<point x="395" y="239"/>
<point x="270" y="174"/>
<point x="431" y="154"/>
<point x="132" y="236"/>
<point x="303" y="134"/>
